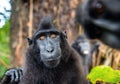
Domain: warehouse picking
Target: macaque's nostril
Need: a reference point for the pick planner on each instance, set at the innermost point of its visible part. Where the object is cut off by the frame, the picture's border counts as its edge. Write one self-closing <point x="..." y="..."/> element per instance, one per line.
<point x="50" y="50"/>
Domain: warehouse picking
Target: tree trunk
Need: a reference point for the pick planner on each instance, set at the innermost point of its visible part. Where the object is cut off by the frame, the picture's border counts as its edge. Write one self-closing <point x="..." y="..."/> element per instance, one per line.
<point x="26" y="15"/>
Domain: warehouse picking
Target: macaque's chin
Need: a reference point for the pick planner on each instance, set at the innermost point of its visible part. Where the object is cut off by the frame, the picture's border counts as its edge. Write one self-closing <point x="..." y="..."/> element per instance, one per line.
<point x="111" y="40"/>
<point x="51" y="63"/>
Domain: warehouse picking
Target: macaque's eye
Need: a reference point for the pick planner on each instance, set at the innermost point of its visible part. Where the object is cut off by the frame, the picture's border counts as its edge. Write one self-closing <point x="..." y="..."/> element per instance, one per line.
<point x="53" y="35"/>
<point x="99" y="7"/>
<point x="42" y="37"/>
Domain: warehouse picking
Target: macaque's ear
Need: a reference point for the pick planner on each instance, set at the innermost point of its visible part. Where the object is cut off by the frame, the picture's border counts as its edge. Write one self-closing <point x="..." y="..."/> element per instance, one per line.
<point x="65" y="34"/>
<point x="29" y="41"/>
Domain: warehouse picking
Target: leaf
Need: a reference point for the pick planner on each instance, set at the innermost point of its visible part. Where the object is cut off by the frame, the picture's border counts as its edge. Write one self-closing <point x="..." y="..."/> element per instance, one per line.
<point x="104" y="74"/>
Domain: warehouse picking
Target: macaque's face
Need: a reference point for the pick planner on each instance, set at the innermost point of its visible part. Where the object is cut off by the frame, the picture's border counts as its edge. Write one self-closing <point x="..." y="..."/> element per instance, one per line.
<point x="101" y="20"/>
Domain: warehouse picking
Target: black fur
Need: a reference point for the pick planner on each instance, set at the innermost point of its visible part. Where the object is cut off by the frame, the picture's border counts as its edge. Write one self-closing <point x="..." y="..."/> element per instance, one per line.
<point x="87" y="58"/>
<point x="101" y="20"/>
<point x="12" y="76"/>
<point x="69" y="70"/>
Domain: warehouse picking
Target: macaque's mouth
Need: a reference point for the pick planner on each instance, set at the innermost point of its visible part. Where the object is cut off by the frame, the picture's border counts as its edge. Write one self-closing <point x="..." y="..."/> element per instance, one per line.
<point x="52" y="63"/>
<point x="52" y="59"/>
<point x="113" y="27"/>
<point x="111" y="39"/>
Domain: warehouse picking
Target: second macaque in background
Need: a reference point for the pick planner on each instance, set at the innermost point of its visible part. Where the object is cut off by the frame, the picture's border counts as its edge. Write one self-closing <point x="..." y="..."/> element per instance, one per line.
<point x="83" y="46"/>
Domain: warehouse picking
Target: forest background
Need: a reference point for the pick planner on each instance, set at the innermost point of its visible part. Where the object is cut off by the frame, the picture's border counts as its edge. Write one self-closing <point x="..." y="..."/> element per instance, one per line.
<point x="20" y="18"/>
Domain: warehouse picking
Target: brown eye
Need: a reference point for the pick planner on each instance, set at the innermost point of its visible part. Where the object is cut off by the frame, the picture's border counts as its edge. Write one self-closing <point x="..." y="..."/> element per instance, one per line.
<point x="53" y="35"/>
<point x="99" y="8"/>
<point x="42" y="37"/>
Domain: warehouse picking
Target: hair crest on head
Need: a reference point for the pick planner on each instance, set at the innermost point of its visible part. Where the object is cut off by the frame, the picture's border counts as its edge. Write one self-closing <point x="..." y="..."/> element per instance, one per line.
<point x="46" y="23"/>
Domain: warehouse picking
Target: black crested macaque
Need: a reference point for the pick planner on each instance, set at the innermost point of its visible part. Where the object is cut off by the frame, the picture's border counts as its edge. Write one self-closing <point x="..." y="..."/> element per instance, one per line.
<point x="86" y="49"/>
<point x="101" y="19"/>
<point x="83" y="47"/>
<point x="50" y="60"/>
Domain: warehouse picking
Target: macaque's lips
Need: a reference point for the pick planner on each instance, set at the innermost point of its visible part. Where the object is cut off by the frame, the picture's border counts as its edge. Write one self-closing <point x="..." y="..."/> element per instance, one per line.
<point x="111" y="39"/>
<point x="110" y="32"/>
<point x="52" y="59"/>
<point x="113" y="27"/>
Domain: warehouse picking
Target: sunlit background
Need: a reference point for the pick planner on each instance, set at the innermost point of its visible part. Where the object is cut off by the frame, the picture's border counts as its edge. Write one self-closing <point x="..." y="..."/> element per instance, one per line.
<point x="4" y="11"/>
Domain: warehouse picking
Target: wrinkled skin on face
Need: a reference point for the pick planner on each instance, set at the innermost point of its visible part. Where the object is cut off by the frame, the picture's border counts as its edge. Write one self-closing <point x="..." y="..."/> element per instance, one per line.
<point x="49" y="46"/>
<point x="101" y="20"/>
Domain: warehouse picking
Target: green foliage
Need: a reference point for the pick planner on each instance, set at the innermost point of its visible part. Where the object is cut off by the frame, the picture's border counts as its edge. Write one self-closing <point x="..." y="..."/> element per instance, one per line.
<point x="4" y="47"/>
<point x="104" y="74"/>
